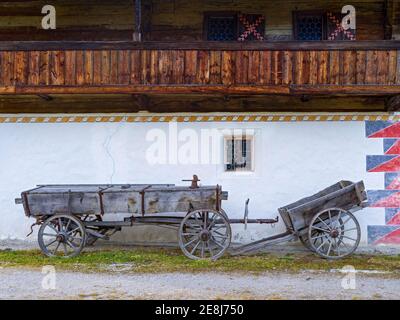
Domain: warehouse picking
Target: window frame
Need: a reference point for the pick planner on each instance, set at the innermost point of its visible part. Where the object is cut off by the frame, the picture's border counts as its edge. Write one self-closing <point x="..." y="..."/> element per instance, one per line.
<point x="249" y="137"/>
<point x="210" y="14"/>
<point x="298" y="13"/>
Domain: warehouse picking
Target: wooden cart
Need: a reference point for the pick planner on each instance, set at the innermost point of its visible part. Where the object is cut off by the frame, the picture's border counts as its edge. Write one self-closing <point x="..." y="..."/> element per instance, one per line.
<point x="73" y="216"/>
<point x="324" y="222"/>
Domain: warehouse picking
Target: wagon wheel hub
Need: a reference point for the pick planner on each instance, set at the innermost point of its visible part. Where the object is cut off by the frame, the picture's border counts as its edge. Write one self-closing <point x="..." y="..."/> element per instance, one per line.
<point x="61" y="238"/>
<point x="205" y="235"/>
<point x="334" y="233"/>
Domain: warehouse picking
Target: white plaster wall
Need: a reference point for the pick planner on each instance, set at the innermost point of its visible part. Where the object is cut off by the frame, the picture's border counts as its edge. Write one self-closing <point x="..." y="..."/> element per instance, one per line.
<point x="293" y="160"/>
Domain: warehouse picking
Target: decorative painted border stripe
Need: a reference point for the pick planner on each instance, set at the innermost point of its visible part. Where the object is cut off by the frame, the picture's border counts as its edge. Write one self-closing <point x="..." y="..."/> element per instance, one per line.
<point x="259" y="117"/>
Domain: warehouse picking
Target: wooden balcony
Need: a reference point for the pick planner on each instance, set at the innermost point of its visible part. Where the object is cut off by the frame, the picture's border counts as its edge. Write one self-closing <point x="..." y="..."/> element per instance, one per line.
<point x="252" y="68"/>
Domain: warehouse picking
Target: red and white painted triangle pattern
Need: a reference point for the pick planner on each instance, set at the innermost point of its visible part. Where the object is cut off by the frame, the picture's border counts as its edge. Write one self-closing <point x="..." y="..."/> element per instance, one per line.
<point x="389" y="233"/>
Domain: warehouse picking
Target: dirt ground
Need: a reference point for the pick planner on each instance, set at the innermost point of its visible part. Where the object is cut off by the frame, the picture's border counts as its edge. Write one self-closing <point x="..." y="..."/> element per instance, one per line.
<point x="292" y="247"/>
<point x="28" y="284"/>
<point x="119" y="282"/>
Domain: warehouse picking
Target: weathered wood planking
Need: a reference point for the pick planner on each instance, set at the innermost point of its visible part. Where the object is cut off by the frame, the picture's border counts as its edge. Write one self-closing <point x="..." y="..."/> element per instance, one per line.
<point x="95" y="103"/>
<point x="70" y="68"/>
<point x="323" y="67"/>
<point x="344" y="194"/>
<point x="175" y="20"/>
<point x="181" y="20"/>
<point x="79" y="67"/>
<point x="113" y="199"/>
<point x="57" y="68"/>
<point x="78" y="20"/>
<point x="33" y="68"/>
<point x="104" y="71"/>
<point x="190" y="66"/>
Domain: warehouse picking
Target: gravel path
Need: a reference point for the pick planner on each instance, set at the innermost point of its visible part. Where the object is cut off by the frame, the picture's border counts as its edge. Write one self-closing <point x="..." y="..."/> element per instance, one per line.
<point x="27" y="284"/>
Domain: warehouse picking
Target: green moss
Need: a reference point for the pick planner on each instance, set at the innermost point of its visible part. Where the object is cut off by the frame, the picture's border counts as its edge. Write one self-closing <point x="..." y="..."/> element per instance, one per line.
<point x="167" y="260"/>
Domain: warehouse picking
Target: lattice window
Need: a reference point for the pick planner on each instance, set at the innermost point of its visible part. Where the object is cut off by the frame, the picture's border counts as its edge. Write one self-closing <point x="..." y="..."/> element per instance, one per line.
<point x="221" y="26"/>
<point x="238" y="153"/>
<point x="310" y="26"/>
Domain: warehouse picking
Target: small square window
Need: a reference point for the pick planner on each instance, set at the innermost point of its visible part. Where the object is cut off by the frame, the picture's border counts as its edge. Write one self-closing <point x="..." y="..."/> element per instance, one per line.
<point x="238" y="153"/>
<point x="310" y="26"/>
<point x="221" y="26"/>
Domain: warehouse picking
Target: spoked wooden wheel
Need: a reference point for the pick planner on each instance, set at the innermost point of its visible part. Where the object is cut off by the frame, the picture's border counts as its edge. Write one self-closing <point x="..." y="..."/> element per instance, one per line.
<point x="304" y="240"/>
<point x="62" y="236"/>
<point x="334" y="233"/>
<point x="90" y="239"/>
<point x="204" y="234"/>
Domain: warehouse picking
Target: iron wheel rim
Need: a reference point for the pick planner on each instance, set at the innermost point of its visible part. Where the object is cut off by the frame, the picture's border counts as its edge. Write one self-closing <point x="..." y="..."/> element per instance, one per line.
<point x="62" y="236"/>
<point x="204" y="235"/>
<point x="335" y="226"/>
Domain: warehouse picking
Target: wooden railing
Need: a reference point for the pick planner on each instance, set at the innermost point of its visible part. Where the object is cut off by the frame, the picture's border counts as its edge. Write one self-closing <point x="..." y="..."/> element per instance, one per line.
<point x="229" y="68"/>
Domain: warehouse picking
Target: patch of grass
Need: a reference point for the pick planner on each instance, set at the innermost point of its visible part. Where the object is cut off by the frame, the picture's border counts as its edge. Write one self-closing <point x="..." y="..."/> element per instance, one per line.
<point x="171" y="260"/>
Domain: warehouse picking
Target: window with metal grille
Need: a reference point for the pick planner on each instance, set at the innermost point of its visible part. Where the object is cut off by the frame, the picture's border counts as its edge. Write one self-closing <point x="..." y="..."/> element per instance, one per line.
<point x="221" y="26"/>
<point x="238" y="153"/>
<point x="309" y="26"/>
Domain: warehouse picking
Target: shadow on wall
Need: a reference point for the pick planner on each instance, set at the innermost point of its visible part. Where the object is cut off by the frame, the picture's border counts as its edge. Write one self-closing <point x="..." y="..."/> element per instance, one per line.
<point x="146" y="235"/>
<point x="150" y="235"/>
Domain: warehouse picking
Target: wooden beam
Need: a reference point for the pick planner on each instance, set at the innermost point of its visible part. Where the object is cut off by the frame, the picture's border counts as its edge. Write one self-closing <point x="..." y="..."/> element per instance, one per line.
<point x="396" y="20"/>
<point x="301" y="90"/>
<point x="137" y="35"/>
<point x="393" y="103"/>
<point x="146" y="20"/>
<point x="145" y="89"/>
<point x="388" y="14"/>
<point x="142" y="101"/>
<point x="186" y="103"/>
<point x="199" y="45"/>
<point x="45" y="97"/>
<point x="364" y="90"/>
<point x="7" y="90"/>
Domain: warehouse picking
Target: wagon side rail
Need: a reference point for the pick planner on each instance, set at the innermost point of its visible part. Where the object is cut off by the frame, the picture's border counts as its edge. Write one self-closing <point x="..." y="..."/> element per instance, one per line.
<point x="348" y="197"/>
<point x="284" y="211"/>
<point x="357" y="187"/>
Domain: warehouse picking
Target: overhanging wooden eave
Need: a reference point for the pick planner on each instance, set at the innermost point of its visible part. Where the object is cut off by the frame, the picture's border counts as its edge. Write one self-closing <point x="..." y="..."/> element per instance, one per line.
<point x="196" y="102"/>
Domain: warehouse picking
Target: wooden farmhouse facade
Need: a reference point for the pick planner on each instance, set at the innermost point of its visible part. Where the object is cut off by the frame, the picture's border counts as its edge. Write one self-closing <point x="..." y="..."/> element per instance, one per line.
<point x="312" y="87"/>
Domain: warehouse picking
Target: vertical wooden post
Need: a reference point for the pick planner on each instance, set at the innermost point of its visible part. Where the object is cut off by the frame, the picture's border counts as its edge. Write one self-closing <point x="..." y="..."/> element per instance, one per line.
<point x="137" y="35"/>
<point x="388" y="21"/>
<point x="395" y="20"/>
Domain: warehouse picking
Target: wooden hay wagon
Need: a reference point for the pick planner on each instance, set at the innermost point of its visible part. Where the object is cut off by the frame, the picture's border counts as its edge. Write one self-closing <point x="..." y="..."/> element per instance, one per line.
<point x="323" y="222"/>
<point x="73" y="216"/>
